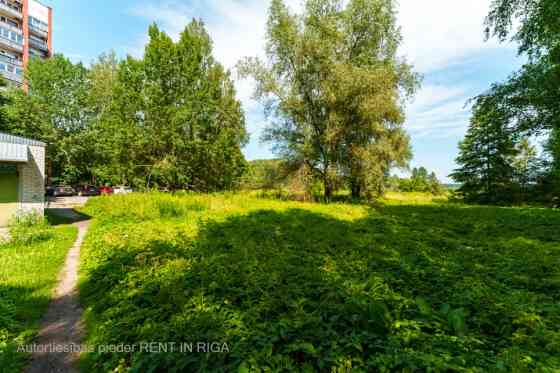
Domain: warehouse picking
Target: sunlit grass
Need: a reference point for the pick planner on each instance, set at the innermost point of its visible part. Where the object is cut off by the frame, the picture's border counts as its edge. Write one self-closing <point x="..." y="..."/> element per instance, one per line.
<point x="28" y="274"/>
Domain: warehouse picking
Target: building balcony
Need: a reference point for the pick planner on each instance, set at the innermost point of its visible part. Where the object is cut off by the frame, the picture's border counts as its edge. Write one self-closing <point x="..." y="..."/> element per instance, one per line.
<point x="10" y="60"/>
<point x="8" y="43"/>
<point x="10" y="27"/>
<point x="10" y="11"/>
<point x="37" y="31"/>
<point x="11" y="69"/>
<point x="40" y="45"/>
<point x="12" y="77"/>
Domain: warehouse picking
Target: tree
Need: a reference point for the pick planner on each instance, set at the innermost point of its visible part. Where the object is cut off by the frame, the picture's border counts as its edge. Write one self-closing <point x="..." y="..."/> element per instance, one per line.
<point x="434" y="185"/>
<point x="525" y="164"/>
<point x="529" y="98"/>
<point x="420" y="181"/>
<point x="334" y="88"/>
<point x="55" y="111"/>
<point x="485" y="172"/>
<point x="174" y="120"/>
<point x="265" y="174"/>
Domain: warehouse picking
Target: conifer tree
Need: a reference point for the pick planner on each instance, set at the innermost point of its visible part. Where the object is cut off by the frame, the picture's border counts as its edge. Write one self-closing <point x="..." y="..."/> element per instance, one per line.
<point x="485" y="171"/>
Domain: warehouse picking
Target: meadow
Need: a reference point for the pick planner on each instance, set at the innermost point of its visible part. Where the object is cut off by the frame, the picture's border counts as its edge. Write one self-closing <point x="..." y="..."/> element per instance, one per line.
<point x="29" y="267"/>
<point x="410" y="283"/>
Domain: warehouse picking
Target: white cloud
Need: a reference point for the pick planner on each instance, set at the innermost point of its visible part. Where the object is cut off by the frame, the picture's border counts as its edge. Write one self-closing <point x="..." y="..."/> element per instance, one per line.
<point x="439" y="32"/>
<point x="439" y="111"/>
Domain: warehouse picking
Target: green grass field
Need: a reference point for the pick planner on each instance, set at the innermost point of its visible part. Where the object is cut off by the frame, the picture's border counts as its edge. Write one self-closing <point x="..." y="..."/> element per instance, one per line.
<point x="28" y="274"/>
<point x="409" y="284"/>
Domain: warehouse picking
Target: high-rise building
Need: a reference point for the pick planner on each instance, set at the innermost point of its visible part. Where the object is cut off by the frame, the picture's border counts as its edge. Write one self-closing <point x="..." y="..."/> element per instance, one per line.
<point x="25" y="33"/>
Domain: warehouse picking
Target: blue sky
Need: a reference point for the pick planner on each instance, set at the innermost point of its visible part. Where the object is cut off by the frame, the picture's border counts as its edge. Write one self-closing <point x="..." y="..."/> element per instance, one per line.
<point x="442" y="38"/>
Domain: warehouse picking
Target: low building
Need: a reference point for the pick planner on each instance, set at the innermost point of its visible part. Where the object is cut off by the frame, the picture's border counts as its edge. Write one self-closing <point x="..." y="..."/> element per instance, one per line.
<point x="22" y="176"/>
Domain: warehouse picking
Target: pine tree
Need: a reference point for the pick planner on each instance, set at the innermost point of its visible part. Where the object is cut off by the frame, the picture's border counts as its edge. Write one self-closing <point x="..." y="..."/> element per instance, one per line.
<point x="486" y="172"/>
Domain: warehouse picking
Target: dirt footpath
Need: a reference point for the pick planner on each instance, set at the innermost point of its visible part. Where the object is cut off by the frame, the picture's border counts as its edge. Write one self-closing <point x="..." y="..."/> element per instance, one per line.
<point x="62" y="325"/>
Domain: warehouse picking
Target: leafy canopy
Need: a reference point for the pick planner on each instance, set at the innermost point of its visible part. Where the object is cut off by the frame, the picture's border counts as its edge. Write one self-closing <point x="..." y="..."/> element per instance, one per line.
<point x="334" y="89"/>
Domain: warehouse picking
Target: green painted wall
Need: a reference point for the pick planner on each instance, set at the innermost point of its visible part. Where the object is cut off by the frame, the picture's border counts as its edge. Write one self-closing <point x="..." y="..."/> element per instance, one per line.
<point x="8" y="193"/>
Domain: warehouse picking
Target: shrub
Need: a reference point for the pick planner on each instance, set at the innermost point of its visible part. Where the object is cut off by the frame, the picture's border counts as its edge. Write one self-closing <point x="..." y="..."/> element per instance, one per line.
<point x="28" y="228"/>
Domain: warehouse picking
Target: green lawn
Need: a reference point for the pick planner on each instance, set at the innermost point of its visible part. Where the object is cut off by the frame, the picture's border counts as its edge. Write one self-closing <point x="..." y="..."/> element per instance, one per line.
<point x="28" y="274"/>
<point x="407" y="285"/>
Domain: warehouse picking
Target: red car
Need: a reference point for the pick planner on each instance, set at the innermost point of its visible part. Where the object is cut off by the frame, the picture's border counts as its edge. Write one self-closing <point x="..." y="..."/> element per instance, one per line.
<point x="105" y="190"/>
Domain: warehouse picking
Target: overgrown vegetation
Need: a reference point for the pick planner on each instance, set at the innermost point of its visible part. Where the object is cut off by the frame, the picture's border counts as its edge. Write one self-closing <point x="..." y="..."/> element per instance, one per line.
<point x="497" y="162"/>
<point x="266" y="174"/>
<point x="288" y="286"/>
<point x="29" y="267"/>
<point x="420" y="180"/>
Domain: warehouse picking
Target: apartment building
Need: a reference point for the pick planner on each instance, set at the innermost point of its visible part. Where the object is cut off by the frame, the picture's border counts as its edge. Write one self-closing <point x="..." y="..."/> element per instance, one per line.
<point x="25" y="33"/>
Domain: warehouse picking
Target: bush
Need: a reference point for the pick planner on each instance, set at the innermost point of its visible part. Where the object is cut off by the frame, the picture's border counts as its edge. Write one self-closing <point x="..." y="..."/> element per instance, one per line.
<point x="29" y="228"/>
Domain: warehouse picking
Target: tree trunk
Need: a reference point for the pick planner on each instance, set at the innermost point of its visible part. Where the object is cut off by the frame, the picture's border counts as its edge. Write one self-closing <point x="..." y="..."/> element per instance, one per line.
<point x="328" y="190"/>
<point x="356" y="189"/>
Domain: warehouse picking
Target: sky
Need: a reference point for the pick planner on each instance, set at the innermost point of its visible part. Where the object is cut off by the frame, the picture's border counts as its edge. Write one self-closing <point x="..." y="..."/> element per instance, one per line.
<point x="443" y="39"/>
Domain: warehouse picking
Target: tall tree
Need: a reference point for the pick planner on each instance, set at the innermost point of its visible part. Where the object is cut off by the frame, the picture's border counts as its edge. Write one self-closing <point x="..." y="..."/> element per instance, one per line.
<point x="529" y="98"/>
<point x="334" y="88"/>
<point x="55" y="111"/>
<point x="525" y="164"/>
<point x="174" y="117"/>
<point x="486" y="172"/>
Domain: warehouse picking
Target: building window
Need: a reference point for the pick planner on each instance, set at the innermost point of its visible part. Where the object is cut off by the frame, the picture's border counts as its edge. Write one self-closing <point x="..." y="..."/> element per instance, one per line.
<point x="34" y="22"/>
<point x="11" y="35"/>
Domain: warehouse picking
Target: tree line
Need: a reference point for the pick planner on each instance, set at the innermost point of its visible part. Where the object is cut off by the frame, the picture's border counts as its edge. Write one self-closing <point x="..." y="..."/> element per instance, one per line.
<point x="169" y="119"/>
<point x="499" y="162"/>
<point x="334" y="90"/>
<point x="333" y="85"/>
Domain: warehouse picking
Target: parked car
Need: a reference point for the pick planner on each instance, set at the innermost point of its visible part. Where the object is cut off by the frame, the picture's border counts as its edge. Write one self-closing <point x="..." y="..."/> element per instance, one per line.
<point x="87" y="190"/>
<point x="122" y="190"/>
<point x="105" y="190"/>
<point x="63" y="191"/>
<point x="49" y="191"/>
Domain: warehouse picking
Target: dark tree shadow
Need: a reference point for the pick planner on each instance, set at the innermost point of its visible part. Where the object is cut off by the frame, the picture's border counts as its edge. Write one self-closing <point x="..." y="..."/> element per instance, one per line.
<point x="64" y="216"/>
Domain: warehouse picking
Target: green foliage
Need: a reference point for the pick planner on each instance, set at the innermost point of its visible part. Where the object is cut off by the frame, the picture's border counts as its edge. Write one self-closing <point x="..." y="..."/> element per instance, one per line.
<point x="526" y="104"/>
<point x="334" y="89"/>
<point x="30" y="228"/>
<point x="308" y="287"/>
<point x="485" y="159"/>
<point x="420" y="181"/>
<point x="265" y="174"/>
<point x="28" y="272"/>
<point x="170" y="119"/>
<point x="55" y="112"/>
<point x="173" y="120"/>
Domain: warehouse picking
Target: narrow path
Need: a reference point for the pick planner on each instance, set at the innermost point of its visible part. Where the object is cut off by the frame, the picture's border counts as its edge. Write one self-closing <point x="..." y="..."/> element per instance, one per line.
<point x="61" y="327"/>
